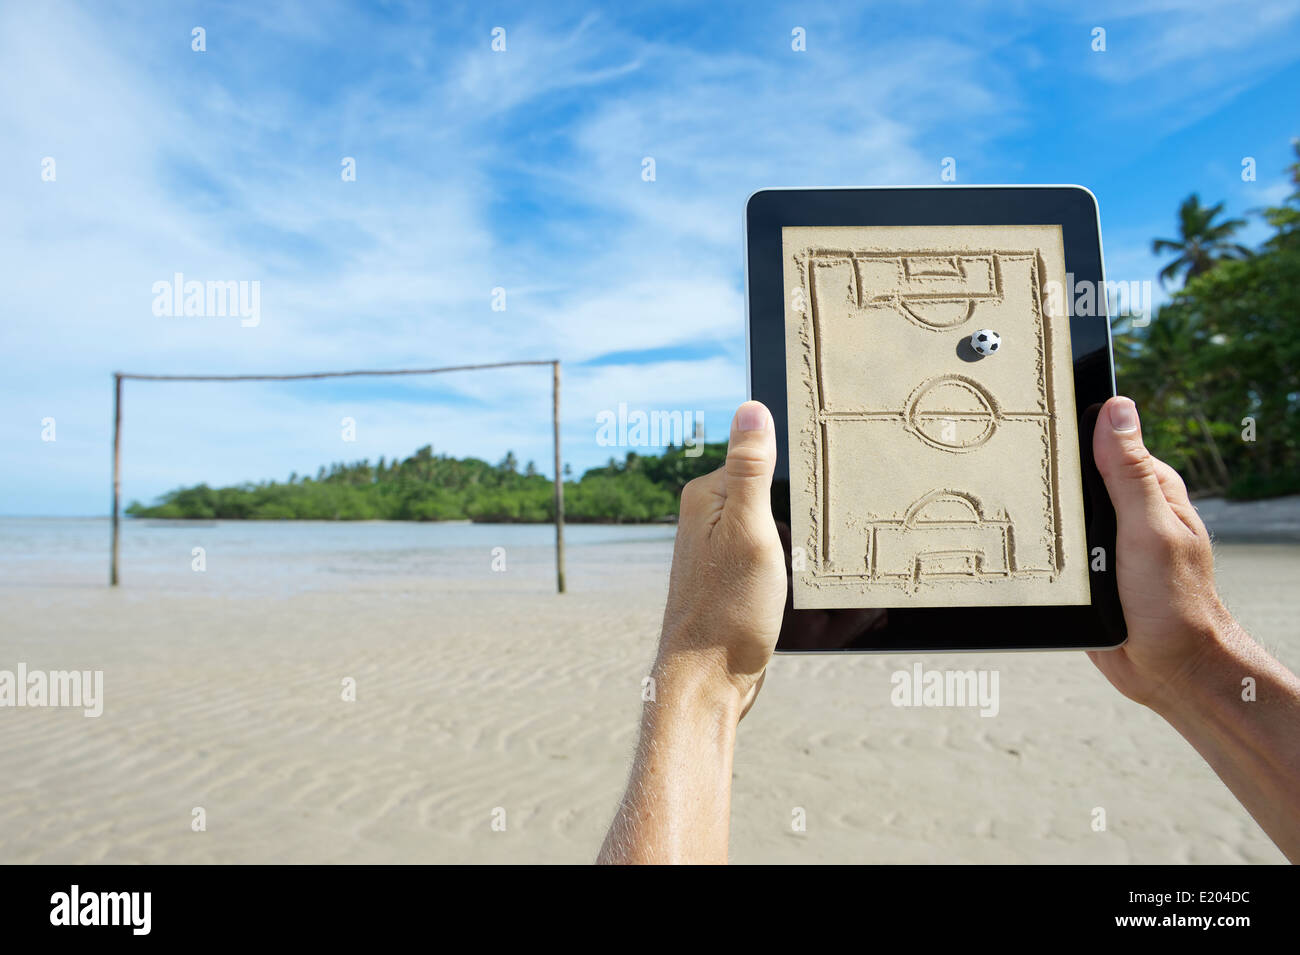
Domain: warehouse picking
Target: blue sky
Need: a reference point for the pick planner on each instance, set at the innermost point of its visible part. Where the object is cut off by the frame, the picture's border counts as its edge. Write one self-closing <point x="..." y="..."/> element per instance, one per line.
<point x="521" y="169"/>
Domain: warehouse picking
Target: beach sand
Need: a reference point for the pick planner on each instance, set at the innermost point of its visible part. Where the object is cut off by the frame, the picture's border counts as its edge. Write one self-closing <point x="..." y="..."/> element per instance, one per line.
<point x="483" y="692"/>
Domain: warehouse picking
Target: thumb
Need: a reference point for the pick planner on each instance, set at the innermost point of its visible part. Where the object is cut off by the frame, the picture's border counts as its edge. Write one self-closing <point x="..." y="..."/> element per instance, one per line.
<point x="751" y="459"/>
<point x="1126" y="465"/>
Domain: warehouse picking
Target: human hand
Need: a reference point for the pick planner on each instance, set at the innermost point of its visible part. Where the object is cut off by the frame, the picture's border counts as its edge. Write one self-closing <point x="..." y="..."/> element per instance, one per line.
<point x="1164" y="567"/>
<point x="727" y="590"/>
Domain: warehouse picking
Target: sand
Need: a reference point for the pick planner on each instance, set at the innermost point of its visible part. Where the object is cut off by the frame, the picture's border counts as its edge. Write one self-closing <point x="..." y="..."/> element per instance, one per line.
<point x="956" y="485"/>
<point x="484" y="692"/>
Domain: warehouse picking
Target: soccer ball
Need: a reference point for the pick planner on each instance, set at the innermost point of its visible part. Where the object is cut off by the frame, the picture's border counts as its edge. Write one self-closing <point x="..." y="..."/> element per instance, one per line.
<point x="985" y="341"/>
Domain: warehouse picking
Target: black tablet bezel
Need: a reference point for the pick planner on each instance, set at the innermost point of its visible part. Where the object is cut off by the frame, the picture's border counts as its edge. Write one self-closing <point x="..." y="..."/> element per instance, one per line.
<point x="1074" y="208"/>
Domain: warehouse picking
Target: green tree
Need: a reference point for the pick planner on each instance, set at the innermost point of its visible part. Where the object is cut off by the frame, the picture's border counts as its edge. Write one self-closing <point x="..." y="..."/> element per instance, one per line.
<point x="1202" y="242"/>
<point x="1217" y="371"/>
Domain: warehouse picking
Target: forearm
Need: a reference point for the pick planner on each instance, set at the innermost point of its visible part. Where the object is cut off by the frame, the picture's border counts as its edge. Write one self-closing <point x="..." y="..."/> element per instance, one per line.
<point x="678" y="802"/>
<point x="1253" y="745"/>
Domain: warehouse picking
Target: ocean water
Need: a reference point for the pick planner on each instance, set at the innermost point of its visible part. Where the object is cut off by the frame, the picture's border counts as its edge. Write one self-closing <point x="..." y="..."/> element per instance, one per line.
<point x="305" y="555"/>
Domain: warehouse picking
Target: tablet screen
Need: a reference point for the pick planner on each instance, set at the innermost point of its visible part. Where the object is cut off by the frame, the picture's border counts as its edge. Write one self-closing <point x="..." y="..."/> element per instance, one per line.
<point x="933" y="436"/>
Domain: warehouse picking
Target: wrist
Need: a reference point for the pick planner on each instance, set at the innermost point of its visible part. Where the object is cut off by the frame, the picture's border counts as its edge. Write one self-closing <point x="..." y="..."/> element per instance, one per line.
<point x="694" y="684"/>
<point x="1208" y="674"/>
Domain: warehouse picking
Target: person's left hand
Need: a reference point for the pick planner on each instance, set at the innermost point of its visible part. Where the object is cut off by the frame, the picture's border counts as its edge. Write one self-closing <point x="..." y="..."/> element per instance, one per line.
<point x="727" y="589"/>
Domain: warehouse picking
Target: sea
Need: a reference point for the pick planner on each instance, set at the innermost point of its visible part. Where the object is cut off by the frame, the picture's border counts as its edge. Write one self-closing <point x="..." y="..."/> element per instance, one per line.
<point x="216" y="556"/>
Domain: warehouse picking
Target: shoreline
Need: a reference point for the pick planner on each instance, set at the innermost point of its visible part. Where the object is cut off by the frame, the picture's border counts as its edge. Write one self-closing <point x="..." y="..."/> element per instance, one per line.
<point x="1274" y="519"/>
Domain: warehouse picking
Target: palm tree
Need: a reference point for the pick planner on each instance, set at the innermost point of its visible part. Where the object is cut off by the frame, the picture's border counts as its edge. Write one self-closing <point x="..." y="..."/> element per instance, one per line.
<point x="1203" y="243"/>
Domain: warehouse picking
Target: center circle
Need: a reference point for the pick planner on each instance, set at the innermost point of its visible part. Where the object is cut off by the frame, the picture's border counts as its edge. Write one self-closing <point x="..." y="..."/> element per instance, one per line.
<point x="952" y="413"/>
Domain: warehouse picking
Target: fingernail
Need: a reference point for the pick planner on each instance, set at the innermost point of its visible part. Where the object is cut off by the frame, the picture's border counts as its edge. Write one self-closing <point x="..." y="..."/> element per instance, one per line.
<point x="1123" y="415"/>
<point x="751" y="417"/>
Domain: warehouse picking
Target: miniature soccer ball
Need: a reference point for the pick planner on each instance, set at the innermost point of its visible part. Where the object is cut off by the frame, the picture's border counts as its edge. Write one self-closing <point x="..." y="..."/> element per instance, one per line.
<point x="985" y="341"/>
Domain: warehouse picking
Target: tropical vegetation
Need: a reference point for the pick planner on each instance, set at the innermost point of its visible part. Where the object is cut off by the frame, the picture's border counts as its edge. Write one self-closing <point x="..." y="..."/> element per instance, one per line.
<point x="431" y="487"/>
<point x="1216" y="372"/>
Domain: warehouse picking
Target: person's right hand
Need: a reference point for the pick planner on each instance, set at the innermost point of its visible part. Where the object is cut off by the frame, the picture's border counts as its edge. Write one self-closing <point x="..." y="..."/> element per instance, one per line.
<point x="1164" y="565"/>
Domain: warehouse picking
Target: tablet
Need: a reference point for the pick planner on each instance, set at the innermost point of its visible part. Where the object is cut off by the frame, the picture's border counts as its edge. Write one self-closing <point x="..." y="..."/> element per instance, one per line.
<point x="934" y="359"/>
